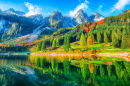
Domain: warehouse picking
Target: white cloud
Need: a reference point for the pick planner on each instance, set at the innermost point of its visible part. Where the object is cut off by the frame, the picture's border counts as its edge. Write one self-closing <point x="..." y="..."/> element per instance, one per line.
<point x="82" y="6"/>
<point x="33" y="9"/>
<point x="120" y="5"/>
<point x="86" y="1"/>
<point x="100" y="7"/>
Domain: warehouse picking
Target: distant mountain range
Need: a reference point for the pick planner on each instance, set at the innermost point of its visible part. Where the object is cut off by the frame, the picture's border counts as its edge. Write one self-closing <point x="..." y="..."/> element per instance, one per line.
<point x="12" y="11"/>
<point x="15" y="24"/>
<point x="79" y="17"/>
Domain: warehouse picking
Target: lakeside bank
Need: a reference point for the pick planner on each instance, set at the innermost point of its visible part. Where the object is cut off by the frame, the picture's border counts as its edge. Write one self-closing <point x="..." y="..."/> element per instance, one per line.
<point x="115" y="54"/>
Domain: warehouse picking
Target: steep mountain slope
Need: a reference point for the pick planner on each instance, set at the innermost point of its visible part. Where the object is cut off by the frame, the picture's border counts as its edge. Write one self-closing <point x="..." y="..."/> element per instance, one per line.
<point x="81" y="16"/>
<point x="69" y="22"/>
<point x="37" y="19"/>
<point x="12" y="11"/>
<point x="95" y="17"/>
<point x="56" y="20"/>
<point x="15" y="24"/>
<point x="56" y="16"/>
<point x="4" y="25"/>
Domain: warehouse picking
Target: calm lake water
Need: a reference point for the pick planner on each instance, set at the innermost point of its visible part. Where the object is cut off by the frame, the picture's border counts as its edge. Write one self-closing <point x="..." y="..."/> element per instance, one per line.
<point x="63" y="71"/>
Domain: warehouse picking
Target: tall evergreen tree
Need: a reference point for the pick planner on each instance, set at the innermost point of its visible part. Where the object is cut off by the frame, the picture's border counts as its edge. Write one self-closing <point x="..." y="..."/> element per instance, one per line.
<point x="67" y="43"/>
<point x="57" y="42"/>
<point x="92" y="37"/>
<point x="82" y="40"/>
<point x="43" y="46"/>
<point x="124" y="40"/>
<point x="128" y="40"/>
<point x="54" y="44"/>
<point x="98" y="37"/>
<point x="39" y="46"/>
<point x="64" y="41"/>
<point x="115" y="41"/>
<point x="106" y="38"/>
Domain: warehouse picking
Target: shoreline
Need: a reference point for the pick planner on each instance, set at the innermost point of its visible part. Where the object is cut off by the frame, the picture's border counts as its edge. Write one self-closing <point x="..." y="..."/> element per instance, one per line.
<point x="116" y="54"/>
<point x="62" y="54"/>
<point x="124" y="55"/>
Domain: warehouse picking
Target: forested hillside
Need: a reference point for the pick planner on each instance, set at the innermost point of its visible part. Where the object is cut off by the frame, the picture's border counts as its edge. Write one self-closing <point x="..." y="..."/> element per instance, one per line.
<point x="113" y="29"/>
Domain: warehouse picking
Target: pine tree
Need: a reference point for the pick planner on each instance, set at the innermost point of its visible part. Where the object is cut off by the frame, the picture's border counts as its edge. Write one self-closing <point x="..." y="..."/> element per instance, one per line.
<point x="89" y="40"/>
<point x="43" y="46"/>
<point x="36" y="48"/>
<point x="128" y="40"/>
<point x="82" y="40"/>
<point x="98" y="37"/>
<point x="92" y="37"/>
<point x="57" y="42"/>
<point x="39" y="46"/>
<point x="115" y="41"/>
<point x="64" y="41"/>
<point x="106" y="38"/>
<point x="124" y="40"/>
<point x="53" y="44"/>
<point x="67" y="43"/>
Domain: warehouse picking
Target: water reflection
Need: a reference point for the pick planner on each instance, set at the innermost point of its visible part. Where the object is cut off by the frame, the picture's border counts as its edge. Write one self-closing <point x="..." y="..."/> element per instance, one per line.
<point x="58" y="71"/>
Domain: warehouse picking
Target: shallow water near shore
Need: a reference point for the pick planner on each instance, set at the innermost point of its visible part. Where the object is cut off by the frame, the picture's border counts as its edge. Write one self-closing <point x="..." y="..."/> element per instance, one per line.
<point x="63" y="71"/>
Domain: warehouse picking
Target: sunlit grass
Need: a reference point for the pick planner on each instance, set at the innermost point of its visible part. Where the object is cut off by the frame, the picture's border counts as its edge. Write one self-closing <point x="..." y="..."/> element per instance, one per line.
<point x="95" y="45"/>
<point x="117" y="50"/>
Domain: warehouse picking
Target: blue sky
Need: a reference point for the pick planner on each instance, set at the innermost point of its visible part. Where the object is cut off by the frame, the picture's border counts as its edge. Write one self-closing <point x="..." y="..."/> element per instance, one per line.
<point x="67" y="7"/>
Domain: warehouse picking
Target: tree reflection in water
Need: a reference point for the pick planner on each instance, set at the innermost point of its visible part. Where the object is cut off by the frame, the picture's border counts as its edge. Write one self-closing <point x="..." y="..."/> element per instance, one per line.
<point x="43" y="70"/>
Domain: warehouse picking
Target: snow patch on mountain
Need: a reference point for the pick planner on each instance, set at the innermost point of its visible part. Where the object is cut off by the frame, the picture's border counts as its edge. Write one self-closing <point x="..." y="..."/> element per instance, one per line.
<point x="36" y="31"/>
<point x="81" y="16"/>
<point x="39" y="30"/>
<point x="96" y="17"/>
<point x="99" y="19"/>
<point x="4" y="25"/>
<point x="12" y="11"/>
<point x="56" y="16"/>
<point x="69" y="22"/>
<point x="34" y="34"/>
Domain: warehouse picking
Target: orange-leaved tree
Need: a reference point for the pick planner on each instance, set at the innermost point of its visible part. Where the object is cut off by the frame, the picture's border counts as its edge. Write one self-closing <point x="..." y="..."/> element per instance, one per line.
<point x="89" y="40"/>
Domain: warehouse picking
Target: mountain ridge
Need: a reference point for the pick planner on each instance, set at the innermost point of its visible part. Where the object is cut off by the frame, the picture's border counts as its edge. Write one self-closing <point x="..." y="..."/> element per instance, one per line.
<point x="26" y="25"/>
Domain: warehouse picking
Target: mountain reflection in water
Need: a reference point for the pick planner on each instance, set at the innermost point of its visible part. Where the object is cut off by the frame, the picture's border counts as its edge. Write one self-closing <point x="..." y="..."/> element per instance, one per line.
<point x="63" y="71"/>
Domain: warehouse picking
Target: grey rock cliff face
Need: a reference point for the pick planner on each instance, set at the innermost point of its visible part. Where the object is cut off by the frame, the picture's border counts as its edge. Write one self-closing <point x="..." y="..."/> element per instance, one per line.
<point x="12" y="11"/>
<point x="69" y="22"/>
<point x="95" y="17"/>
<point x="81" y="16"/>
<point x="56" y="16"/>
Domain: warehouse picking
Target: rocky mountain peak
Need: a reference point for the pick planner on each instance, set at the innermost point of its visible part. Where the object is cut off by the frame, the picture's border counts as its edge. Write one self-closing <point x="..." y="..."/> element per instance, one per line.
<point x="12" y="11"/>
<point x="56" y="16"/>
<point x="95" y="17"/>
<point x="95" y="13"/>
<point x="81" y="11"/>
<point x="81" y="16"/>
